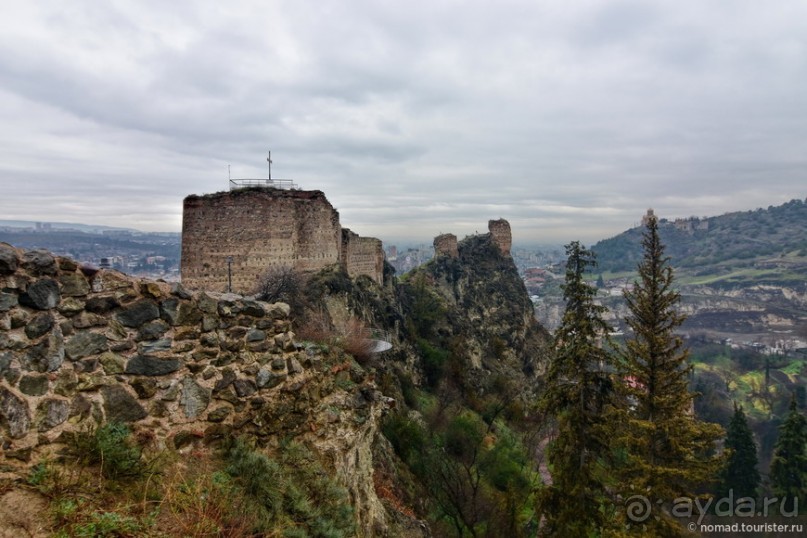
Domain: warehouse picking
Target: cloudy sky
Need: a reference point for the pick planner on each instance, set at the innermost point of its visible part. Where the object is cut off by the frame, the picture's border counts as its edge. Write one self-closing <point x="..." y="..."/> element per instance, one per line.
<point x="568" y="118"/>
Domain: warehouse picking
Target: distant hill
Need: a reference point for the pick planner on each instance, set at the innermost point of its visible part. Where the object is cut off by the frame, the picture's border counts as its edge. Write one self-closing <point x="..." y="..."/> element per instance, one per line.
<point x="60" y="226"/>
<point x="764" y="244"/>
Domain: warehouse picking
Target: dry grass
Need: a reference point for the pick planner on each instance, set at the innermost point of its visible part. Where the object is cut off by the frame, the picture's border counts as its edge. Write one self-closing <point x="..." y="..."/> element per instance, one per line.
<point x="200" y="501"/>
<point x="351" y="335"/>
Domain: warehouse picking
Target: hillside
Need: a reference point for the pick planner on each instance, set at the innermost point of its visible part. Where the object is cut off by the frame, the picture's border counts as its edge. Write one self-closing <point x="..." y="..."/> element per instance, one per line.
<point x="764" y="246"/>
<point x="743" y="283"/>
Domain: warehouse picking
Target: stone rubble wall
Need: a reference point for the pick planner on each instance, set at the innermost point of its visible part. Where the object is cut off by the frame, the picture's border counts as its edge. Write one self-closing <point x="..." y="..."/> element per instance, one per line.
<point x="80" y="346"/>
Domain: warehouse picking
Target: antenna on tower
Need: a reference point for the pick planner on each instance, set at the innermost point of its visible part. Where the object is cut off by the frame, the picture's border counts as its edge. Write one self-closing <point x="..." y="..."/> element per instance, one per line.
<point x="228" y="173"/>
<point x="269" y="161"/>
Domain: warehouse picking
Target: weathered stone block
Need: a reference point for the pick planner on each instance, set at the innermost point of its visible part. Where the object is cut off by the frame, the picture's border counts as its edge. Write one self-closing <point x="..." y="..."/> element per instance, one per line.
<point x="14" y="413"/>
<point x="188" y="333"/>
<point x="209" y="323"/>
<point x="39" y="262"/>
<point x="67" y="265"/>
<point x="50" y="413"/>
<point x="8" y="259"/>
<point x="244" y="387"/>
<point x="39" y="325"/>
<point x="120" y="406"/>
<point x="278" y="311"/>
<point x="253" y="309"/>
<point x="5" y="361"/>
<point x="195" y="398"/>
<point x="71" y="306"/>
<point x="85" y="320"/>
<point x="268" y="379"/>
<point x="87" y="365"/>
<point x="183" y="347"/>
<point x="90" y="382"/>
<point x="163" y="344"/>
<point x="47" y="355"/>
<point x="116" y="331"/>
<point x="74" y="285"/>
<point x="178" y="290"/>
<point x="18" y="318"/>
<point x="294" y="366"/>
<point x="209" y="340"/>
<point x="144" y="387"/>
<point x="41" y="295"/>
<point x="7" y="301"/>
<point x="207" y="304"/>
<point x="227" y="378"/>
<point x="112" y="363"/>
<point x="256" y="335"/>
<point x="219" y="414"/>
<point x="152" y="330"/>
<point x="169" y="310"/>
<point x="151" y="366"/>
<point x="138" y="313"/>
<point x="151" y="289"/>
<point x="84" y="344"/>
<point x="34" y="385"/>
<point x="12" y="375"/>
<point x="101" y="304"/>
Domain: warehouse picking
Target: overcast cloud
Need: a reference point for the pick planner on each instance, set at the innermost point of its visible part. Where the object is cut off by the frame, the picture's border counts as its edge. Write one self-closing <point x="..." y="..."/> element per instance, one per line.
<point x="569" y="119"/>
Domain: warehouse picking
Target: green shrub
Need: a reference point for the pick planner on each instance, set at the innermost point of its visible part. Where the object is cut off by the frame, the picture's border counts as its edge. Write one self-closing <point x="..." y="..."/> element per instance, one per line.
<point x="407" y="437"/>
<point x="111" y="446"/>
<point x="434" y="362"/>
<point x="292" y="493"/>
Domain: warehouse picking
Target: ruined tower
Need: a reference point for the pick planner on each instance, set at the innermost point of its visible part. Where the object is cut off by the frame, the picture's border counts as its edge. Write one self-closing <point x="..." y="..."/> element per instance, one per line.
<point x="446" y="245"/>
<point x="238" y="235"/>
<point x="500" y="235"/>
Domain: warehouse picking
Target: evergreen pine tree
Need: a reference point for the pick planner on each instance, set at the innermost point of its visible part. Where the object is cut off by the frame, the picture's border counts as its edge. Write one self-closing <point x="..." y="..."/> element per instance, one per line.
<point x="668" y="451"/>
<point x="740" y="475"/>
<point x="789" y="465"/>
<point x="578" y="389"/>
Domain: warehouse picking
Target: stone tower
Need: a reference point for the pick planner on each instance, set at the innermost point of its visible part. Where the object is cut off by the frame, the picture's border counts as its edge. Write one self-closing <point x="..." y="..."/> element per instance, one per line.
<point x="246" y="231"/>
<point x="500" y="235"/>
<point x="446" y="245"/>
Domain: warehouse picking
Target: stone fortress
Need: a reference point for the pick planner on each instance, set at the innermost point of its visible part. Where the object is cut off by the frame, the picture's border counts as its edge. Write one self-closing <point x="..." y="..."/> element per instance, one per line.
<point x="242" y="233"/>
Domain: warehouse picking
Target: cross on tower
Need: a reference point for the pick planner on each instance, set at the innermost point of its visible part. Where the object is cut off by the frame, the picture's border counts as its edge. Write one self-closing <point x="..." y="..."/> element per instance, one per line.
<point x="269" y="161"/>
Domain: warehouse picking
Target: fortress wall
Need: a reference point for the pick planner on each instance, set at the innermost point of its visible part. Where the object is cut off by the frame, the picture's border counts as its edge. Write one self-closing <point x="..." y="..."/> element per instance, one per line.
<point x="81" y="347"/>
<point x="362" y="256"/>
<point x="446" y="245"/>
<point x="258" y="228"/>
<point x="501" y="235"/>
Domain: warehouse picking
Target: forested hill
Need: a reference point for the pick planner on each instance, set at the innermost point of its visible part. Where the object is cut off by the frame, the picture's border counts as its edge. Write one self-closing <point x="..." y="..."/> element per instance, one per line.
<point x="776" y="236"/>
